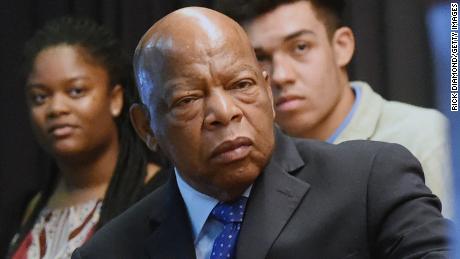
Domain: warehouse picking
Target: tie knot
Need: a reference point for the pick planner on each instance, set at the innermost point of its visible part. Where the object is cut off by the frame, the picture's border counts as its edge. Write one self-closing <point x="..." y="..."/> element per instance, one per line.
<point x="228" y="212"/>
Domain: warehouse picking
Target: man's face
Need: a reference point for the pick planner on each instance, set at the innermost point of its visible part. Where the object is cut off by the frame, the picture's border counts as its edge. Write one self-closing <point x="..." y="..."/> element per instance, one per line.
<point x="293" y="45"/>
<point x="213" y="115"/>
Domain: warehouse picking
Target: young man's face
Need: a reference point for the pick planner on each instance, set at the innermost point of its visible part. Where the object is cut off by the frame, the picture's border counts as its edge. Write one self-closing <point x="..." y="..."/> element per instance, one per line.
<point x="292" y="44"/>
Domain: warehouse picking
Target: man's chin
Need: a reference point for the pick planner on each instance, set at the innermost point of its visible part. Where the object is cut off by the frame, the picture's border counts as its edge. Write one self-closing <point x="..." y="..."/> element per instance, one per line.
<point x="230" y="184"/>
<point x="294" y="126"/>
<point x="228" y="192"/>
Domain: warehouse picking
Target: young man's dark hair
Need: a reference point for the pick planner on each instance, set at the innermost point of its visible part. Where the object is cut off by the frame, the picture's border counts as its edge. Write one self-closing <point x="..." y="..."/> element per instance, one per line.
<point x="328" y="11"/>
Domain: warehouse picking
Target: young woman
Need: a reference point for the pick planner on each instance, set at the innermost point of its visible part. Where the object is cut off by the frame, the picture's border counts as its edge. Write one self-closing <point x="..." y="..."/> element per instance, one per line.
<point x="79" y="89"/>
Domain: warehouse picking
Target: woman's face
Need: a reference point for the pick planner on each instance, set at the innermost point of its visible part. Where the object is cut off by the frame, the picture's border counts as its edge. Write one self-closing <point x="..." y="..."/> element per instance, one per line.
<point x="71" y="105"/>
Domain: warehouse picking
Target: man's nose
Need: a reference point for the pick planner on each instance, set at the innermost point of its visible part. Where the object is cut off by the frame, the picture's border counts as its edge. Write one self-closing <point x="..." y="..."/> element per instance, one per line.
<point x="282" y="73"/>
<point x="221" y="109"/>
<point x="56" y="106"/>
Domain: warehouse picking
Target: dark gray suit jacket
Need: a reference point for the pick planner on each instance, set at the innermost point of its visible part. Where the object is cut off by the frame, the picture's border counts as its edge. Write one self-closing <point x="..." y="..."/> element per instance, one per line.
<point x="358" y="199"/>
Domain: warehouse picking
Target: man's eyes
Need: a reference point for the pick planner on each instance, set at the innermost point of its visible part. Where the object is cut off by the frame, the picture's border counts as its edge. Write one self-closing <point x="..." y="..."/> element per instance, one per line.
<point x="185" y="100"/>
<point x="300" y="47"/>
<point x="243" y="84"/>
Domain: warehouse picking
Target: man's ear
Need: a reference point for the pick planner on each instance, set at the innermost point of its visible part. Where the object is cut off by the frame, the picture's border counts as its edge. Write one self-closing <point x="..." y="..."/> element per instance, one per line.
<point x="116" y="100"/>
<point x="343" y="43"/>
<point x="140" y="119"/>
<point x="269" y="90"/>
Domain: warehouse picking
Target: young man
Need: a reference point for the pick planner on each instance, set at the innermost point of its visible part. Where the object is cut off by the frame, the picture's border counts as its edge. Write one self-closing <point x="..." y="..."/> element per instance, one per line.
<point x="242" y="189"/>
<point x="305" y="48"/>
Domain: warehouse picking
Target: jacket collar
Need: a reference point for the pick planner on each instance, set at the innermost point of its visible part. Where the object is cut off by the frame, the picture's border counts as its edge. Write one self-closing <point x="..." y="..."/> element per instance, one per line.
<point x="276" y="193"/>
<point x="365" y="120"/>
<point x="170" y="225"/>
<point x="275" y="196"/>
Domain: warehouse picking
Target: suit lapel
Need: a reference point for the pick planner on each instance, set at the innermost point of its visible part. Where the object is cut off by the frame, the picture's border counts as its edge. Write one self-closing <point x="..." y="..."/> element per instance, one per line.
<point x="172" y="233"/>
<point x="275" y="196"/>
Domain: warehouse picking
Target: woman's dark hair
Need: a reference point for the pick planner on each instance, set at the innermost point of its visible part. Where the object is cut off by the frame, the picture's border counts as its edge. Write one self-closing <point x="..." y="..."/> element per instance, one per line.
<point x="99" y="46"/>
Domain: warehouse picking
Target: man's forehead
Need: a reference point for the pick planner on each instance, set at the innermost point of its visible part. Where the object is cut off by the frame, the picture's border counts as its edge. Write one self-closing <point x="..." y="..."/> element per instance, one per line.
<point x="298" y="16"/>
<point x="190" y="37"/>
<point x="172" y="50"/>
<point x="188" y="28"/>
<point x="209" y="27"/>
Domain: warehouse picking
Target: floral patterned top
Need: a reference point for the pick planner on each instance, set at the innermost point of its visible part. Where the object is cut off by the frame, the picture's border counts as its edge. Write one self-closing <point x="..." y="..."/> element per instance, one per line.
<point x="58" y="232"/>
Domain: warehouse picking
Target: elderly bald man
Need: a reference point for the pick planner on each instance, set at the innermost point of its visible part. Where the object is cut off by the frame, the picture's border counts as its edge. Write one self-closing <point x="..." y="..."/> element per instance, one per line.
<point x="242" y="189"/>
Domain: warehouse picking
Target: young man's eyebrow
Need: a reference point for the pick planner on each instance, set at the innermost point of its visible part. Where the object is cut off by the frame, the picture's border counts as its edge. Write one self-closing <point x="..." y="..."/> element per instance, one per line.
<point x="260" y="50"/>
<point x="297" y="34"/>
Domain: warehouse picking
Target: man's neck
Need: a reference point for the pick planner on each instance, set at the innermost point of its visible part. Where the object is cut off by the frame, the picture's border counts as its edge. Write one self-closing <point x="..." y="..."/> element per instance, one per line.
<point x="329" y="125"/>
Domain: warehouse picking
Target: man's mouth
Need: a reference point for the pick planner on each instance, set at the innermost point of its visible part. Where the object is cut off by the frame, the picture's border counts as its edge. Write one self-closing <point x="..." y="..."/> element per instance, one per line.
<point x="232" y="150"/>
<point x="287" y="103"/>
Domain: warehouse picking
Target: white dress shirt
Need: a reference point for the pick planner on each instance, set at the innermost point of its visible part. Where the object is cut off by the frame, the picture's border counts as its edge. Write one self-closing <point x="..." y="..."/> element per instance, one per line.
<point x="199" y="206"/>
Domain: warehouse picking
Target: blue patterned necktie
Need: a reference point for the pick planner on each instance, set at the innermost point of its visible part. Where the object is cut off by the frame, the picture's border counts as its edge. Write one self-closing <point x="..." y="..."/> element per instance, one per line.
<point x="231" y="215"/>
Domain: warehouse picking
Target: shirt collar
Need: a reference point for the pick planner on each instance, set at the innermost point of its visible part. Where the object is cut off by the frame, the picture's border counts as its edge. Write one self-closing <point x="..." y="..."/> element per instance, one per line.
<point x="343" y="125"/>
<point x="199" y="205"/>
